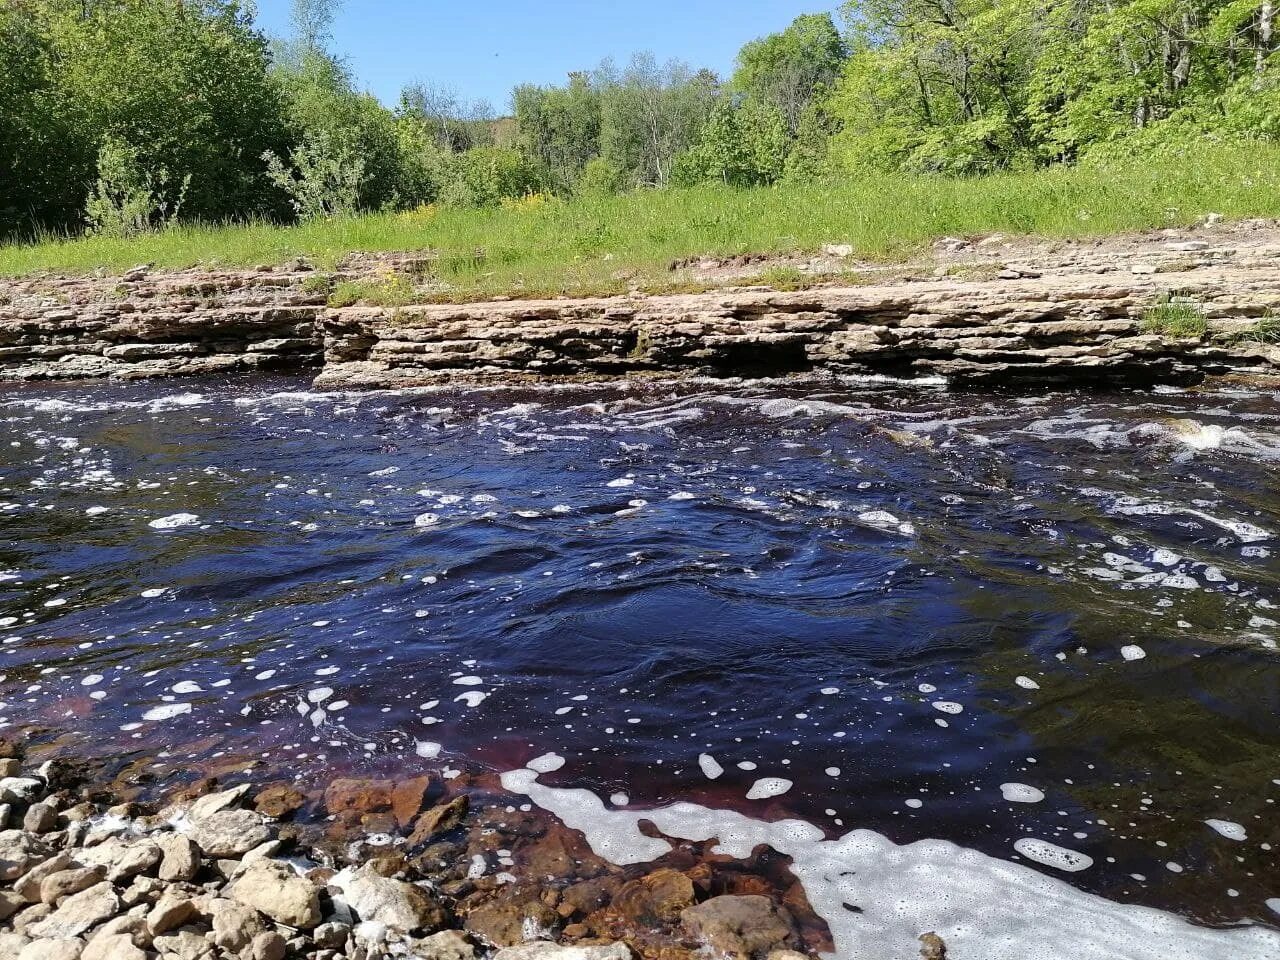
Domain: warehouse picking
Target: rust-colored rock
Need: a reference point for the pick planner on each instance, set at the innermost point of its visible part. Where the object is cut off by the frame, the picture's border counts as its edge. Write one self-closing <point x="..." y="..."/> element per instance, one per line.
<point x="656" y="898"/>
<point x="358" y="797"/>
<point x="408" y="798"/>
<point x="439" y="819"/>
<point x="279" y="801"/>
<point x="740" y="927"/>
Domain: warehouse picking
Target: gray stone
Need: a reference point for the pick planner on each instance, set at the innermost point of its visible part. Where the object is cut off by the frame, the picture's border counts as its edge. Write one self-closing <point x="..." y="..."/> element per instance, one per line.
<point x="212" y="803"/>
<point x="331" y="936"/>
<point x="268" y="946"/>
<point x="400" y="906"/>
<point x="180" y="857"/>
<point x="28" y="885"/>
<point x="234" y="925"/>
<point x="11" y="943"/>
<point x="274" y="889"/>
<point x="80" y="912"/>
<point x="184" y="945"/>
<point x="10" y="903"/>
<point x="229" y="833"/>
<point x="52" y="950"/>
<point x="19" y="852"/>
<point x="174" y="909"/>
<point x="57" y="886"/>
<point x="114" y="947"/>
<point x="21" y="789"/>
<point x="40" y="818"/>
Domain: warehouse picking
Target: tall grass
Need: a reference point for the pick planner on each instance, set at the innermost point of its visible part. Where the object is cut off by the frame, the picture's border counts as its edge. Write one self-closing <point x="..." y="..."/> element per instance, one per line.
<point x="598" y="243"/>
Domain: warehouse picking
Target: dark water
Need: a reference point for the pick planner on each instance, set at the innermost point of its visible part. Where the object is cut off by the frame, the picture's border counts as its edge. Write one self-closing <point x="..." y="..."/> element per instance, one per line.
<point x="897" y="599"/>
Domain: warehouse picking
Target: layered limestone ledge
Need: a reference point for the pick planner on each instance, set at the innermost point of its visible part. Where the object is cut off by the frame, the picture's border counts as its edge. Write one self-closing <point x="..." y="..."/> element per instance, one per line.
<point x="1058" y="326"/>
<point x="159" y="324"/>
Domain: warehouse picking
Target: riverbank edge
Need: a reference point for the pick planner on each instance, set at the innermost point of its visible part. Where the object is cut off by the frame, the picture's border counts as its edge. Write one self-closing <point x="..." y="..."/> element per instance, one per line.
<point x="248" y="871"/>
<point x="1170" y="307"/>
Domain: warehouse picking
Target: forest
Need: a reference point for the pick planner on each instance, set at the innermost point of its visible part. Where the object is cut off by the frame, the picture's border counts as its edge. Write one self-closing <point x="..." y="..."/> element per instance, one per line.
<point x="119" y="117"/>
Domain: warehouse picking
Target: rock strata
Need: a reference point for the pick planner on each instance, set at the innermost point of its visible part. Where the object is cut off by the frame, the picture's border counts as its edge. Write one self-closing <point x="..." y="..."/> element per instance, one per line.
<point x="985" y="309"/>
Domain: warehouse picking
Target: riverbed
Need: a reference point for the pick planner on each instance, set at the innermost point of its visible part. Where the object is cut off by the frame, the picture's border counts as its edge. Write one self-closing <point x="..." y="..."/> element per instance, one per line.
<point x="1040" y="627"/>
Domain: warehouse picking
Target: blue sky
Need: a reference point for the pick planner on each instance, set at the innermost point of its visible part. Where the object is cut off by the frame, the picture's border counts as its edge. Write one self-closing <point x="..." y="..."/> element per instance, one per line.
<point x="483" y="48"/>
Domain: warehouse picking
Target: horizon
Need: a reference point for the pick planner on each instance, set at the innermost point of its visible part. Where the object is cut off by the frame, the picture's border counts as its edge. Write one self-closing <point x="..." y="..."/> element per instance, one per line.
<point x="404" y="43"/>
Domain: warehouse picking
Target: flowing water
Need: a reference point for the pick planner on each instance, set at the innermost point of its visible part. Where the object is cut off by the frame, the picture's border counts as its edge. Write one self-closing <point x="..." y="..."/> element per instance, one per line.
<point x="1042" y="628"/>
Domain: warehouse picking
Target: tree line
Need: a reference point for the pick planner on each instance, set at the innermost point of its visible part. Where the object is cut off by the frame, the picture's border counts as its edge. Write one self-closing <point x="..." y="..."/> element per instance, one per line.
<point x="118" y="116"/>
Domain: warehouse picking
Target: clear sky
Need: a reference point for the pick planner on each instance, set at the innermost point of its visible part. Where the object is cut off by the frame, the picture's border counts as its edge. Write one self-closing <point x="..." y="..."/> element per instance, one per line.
<point x="483" y="48"/>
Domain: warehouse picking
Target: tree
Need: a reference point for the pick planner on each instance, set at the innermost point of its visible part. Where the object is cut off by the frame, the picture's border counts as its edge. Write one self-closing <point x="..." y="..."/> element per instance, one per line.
<point x="560" y="126"/>
<point x="742" y="145"/>
<point x="789" y="69"/>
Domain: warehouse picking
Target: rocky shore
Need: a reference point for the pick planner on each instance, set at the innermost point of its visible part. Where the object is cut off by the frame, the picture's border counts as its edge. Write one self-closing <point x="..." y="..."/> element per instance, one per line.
<point x="975" y="309"/>
<point x="373" y="868"/>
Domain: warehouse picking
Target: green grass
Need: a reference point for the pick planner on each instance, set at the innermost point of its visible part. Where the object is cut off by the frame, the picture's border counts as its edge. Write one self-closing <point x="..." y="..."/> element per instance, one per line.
<point x="1266" y="330"/>
<point x="604" y="244"/>
<point x="1174" y="318"/>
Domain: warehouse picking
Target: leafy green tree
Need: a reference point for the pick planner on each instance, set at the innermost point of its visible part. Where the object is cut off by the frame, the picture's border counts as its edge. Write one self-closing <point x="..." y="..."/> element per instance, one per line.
<point x="743" y="145"/>
<point x="486" y="175"/>
<point x="560" y="126"/>
<point x="789" y="69"/>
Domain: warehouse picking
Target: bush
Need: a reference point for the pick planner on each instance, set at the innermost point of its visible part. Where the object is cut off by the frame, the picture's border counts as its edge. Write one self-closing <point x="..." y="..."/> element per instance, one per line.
<point x="128" y="199"/>
<point x="325" y="178"/>
<point x="484" y="176"/>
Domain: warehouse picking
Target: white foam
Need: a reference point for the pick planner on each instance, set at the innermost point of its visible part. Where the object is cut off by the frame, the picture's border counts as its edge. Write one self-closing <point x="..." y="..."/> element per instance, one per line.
<point x="547" y="763"/>
<point x="1133" y="652"/>
<point x="1232" y="831"/>
<point x="711" y="769"/>
<point x="948" y="706"/>
<point x="980" y="905"/>
<point x="167" y="711"/>
<point x="1026" y="683"/>
<point x="1051" y="855"/>
<point x="767" y="787"/>
<point x="427" y="749"/>
<point x="173" y="521"/>
<point x="1021" y="793"/>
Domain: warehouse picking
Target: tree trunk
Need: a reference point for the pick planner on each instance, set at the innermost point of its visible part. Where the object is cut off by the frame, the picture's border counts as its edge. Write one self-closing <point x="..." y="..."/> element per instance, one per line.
<point x="1266" y="24"/>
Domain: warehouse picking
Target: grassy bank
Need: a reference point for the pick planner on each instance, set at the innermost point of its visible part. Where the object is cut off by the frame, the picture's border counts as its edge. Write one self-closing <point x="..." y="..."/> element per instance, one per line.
<point x="598" y="244"/>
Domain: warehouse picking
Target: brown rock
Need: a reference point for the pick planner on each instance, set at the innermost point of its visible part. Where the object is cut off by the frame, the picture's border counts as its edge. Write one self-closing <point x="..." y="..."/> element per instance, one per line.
<point x="116" y="947"/>
<point x="655" y="898"/>
<point x="439" y="819"/>
<point x="179" y="858"/>
<point x="273" y="888"/>
<point x="358" y="796"/>
<point x="511" y="918"/>
<point x="739" y="926"/>
<point x="64" y="883"/>
<point x="932" y="947"/>
<point x="408" y="799"/>
<point x="279" y="801"/>
<point x="79" y="912"/>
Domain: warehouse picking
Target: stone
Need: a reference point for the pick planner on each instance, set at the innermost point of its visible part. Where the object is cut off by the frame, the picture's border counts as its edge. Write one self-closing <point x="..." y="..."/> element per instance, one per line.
<point x="6" y="810"/>
<point x="23" y="921"/>
<point x="114" y="947"/>
<point x="358" y="796"/>
<point x="132" y="924"/>
<point x="80" y="912"/>
<point x="28" y="885"/>
<point x="10" y="903"/>
<point x="273" y="888"/>
<point x="439" y="819"/>
<point x="57" y="886"/>
<point x="396" y="904"/>
<point x="234" y="925"/>
<point x="655" y="898"/>
<point x="512" y="919"/>
<point x="445" y="945"/>
<point x="932" y="947"/>
<point x="211" y="803"/>
<point x="19" y="852"/>
<point x="786" y="955"/>
<point x="24" y="790"/>
<point x="10" y="767"/>
<point x="179" y="857"/>
<point x="269" y="946"/>
<point x="52" y="950"/>
<point x="184" y="945"/>
<point x="739" y="926"/>
<point x="123" y="859"/>
<point x="278" y="802"/>
<point x="551" y="951"/>
<point x="229" y="833"/>
<point x="11" y="943"/>
<point x="331" y="936"/>
<point x="841" y="250"/>
<point x="174" y="909"/>
<point x="407" y="799"/>
<point x="40" y="818"/>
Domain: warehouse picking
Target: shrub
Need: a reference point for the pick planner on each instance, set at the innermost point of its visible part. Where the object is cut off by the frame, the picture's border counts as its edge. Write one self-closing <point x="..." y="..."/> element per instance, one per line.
<point x="128" y="199"/>
<point x="325" y="178"/>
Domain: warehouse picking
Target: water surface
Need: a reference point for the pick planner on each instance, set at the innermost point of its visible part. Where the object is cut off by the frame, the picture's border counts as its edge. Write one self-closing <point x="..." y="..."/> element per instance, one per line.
<point x="981" y="618"/>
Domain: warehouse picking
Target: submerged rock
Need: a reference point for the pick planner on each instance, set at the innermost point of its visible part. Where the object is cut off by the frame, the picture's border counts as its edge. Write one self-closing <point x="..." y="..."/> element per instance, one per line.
<point x="740" y="927"/>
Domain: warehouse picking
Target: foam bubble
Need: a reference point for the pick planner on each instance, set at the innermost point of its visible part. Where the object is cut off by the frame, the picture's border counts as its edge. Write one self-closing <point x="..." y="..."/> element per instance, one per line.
<point x="1051" y="855"/>
<point x="173" y="521"/>
<point x="1232" y="831"/>
<point x="1133" y="652"/>
<point x="167" y="711"/>
<point x="767" y="787"/>
<point x="547" y="763"/>
<point x="711" y="769"/>
<point x="1021" y="793"/>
